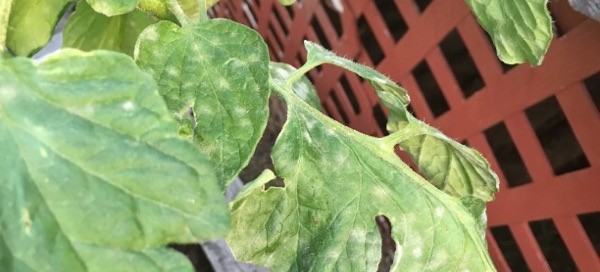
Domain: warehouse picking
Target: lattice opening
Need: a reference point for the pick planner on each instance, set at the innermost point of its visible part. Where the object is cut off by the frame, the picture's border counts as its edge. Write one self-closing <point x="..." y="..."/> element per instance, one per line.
<point x="591" y="224"/>
<point x="392" y="18"/>
<point x="276" y="37"/>
<point x="556" y="137"/>
<point x="510" y="250"/>
<point x="552" y="245"/>
<point x="422" y="4"/>
<point x="316" y="26"/>
<point x="507" y="155"/>
<point x="334" y="18"/>
<point x="350" y="93"/>
<point x="592" y="84"/>
<point x="339" y="108"/>
<point x="272" y="52"/>
<point x="381" y="119"/>
<point x="280" y="21"/>
<point x="461" y="63"/>
<point x="290" y="10"/>
<point x="368" y="40"/>
<point x="430" y="89"/>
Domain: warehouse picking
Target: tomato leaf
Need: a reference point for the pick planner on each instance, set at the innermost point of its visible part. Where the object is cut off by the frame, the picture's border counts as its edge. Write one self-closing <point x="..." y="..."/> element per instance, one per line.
<point x="337" y="181"/>
<point x="31" y="24"/>
<point x="220" y="70"/>
<point x="303" y="88"/>
<point x="88" y="30"/>
<point x="521" y="30"/>
<point x="92" y="170"/>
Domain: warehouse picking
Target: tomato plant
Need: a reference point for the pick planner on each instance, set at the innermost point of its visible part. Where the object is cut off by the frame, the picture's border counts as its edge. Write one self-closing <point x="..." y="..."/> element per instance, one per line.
<point x="125" y="141"/>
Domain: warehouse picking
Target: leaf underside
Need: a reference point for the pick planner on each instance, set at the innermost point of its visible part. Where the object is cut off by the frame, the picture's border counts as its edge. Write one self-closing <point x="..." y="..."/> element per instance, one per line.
<point x="521" y="30"/>
<point x="113" y="7"/>
<point x="219" y="69"/>
<point x="94" y="176"/>
<point x="337" y="181"/>
<point x="89" y="30"/>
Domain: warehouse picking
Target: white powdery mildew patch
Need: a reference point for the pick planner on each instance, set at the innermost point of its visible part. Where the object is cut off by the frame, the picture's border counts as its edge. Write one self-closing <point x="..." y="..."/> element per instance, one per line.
<point x="439" y="212"/>
<point x="302" y="91"/>
<point x="417" y="252"/>
<point x="7" y="93"/>
<point x="223" y="83"/>
<point x="43" y="152"/>
<point x="151" y="34"/>
<point x="358" y="235"/>
<point x="172" y="71"/>
<point x="128" y="106"/>
<point x="307" y="137"/>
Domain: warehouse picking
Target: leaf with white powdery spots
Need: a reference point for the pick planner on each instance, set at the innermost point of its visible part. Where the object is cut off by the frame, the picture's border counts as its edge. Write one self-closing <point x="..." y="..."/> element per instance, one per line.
<point x="89" y="30"/>
<point x="454" y="168"/>
<point x="303" y="88"/>
<point x="219" y="69"/>
<point x="337" y="181"/>
<point x="92" y="169"/>
<point x="520" y="29"/>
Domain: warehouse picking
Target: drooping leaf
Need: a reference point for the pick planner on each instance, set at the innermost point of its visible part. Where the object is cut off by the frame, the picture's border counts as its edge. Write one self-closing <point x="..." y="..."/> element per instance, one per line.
<point x="220" y="70"/>
<point x="303" y="88"/>
<point x="113" y="7"/>
<point x="160" y="9"/>
<point x="454" y="168"/>
<point x="5" y="6"/>
<point x="88" y="30"/>
<point x="337" y="181"/>
<point x="92" y="170"/>
<point x="520" y="29"/>
<point x="31" y="24"/>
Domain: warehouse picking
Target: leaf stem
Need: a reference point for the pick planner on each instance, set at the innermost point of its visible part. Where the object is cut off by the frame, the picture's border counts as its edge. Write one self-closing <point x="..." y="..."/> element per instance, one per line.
<point x="295" y="76"/>
<point x="175" y="8"/>
<point x="4" y="15"/>
<point x="202" y="10"/>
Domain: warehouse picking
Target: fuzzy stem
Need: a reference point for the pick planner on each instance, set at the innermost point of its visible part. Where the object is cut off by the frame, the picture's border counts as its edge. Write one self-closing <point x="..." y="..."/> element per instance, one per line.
<point x="202" y="10"/>
<point x="175" y="8"/>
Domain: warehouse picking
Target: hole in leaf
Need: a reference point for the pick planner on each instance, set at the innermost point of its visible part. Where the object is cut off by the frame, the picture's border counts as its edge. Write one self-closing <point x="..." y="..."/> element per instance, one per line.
<point x="369" y="41"/>
<point x="591" y="224"/>
<point x="392" y="18"/>
<point x="388" y="246"/>
<point x="334" y="18"/>
<point x="280" y="21"/>
<point x="316" y="26"/>
<point x="556" y="137"/>
<point x="431" y="90"/>
<point x="195" y="253"/>
<point x="552" y="245"/>
<point x="507" y="244"/>
<point x="381" y="119"/>
<point x="422" y="4"/>
<point x="506" y="154"/>
<point x="592" y="84"/>
<point x="461" y="63"/>
<point x="350" y="93"/>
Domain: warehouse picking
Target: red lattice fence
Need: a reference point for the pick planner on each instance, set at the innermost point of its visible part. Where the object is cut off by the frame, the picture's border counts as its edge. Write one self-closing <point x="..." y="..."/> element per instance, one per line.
<point x="537" y="127"/>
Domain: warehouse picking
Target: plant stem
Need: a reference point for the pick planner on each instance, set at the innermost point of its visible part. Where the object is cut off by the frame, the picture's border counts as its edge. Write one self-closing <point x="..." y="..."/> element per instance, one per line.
<point x="175" y="8"/>
<point x="5" y="6"/>
<point x="202" y="10"/>
<point x="300" y="72"/>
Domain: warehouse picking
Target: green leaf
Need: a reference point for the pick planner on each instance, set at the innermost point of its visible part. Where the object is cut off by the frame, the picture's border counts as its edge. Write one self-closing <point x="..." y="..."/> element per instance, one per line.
<point x="88" y="30"/>
<point x="32" y="23"/>
<point x="113" y="7"/>
<point x="520" y="29"/>
<point x="92" y="170"/>
<point x="159" y="8"/>
<point x="4" y="15"/>
<point x="454" y="168"/>
<point x="303" y="88"/>
<point x="337" y="181"/>
<point x="220" y="69"/>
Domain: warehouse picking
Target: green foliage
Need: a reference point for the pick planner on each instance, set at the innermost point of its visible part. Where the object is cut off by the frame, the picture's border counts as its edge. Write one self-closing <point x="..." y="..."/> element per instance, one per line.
<point x="520" y="29"/>
<point x="93" y="168"/>
<point x="107" y="159"/>
<point x="89" y="30"/>
<point x="205" y="67"/>
<point x="31" y="24"/>
<point x="336" y="182"/>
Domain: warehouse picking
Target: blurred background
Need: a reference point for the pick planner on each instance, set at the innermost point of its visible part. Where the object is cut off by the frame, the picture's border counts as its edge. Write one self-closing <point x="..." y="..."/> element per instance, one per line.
<point x="536" y="126"/>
